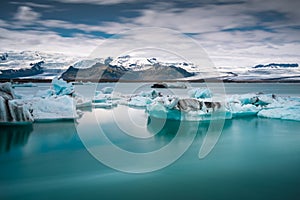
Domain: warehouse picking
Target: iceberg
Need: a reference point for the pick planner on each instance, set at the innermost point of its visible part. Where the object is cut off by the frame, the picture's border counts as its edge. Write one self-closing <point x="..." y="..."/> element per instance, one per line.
<point x="160" y="111"/>
<point x="288" y="113"/>
<point x="200" y="93"/>
<point x="139" y="101"/>
<point x="200" y="108"/>
<point x="61" y="87"/>
<point x="238" y="109"/>
<point x="187" y="109"/>
<point x="10" y="110"/>
<point x="52" y="108"/>
<point x="151" y="94"/>
<point x="81" y="101"/>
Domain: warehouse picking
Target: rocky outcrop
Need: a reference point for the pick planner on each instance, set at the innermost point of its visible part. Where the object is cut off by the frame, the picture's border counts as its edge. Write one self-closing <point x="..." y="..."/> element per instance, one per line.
<point x="100" y="71"/>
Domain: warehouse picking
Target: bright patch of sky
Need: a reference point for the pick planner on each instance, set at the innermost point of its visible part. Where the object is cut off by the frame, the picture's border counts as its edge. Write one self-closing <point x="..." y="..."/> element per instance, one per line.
<point x="234" y="33"/>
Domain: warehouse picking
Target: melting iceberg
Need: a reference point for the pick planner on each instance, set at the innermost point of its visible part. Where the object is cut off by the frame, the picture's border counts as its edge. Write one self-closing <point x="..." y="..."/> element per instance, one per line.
<point x="200" y="93"/>
<point x="200" y="108"/>
<point x="61" y="87"/>
<point x="52" y="108"/>
<point x="52" y="104"/>
<point x="187" y="109"/>
<point x="10" y="110"/>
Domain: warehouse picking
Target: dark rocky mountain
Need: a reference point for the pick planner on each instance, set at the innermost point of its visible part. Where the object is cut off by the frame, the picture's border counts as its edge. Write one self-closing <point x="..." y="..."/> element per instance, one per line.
<point x="36" y="68"/>
<point x="100" y="71"/>
<point x="277" y="65"/>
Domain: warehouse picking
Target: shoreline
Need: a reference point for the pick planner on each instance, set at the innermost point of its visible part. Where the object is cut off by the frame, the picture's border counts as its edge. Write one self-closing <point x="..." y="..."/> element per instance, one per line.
<point x="139" y="81"/>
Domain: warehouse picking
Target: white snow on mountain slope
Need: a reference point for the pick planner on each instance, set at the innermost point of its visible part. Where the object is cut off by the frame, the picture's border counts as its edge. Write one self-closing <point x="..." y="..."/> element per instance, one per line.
<point x="137" y="63"/>
<point x="86" y="63"/>
<point x="271" y="72"/>
<point x="23" y="59"/>
<point x="55" y="63"/>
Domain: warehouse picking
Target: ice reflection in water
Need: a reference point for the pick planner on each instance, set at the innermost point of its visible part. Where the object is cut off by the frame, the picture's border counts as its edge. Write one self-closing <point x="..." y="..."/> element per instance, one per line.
<point x="14" y="136"/>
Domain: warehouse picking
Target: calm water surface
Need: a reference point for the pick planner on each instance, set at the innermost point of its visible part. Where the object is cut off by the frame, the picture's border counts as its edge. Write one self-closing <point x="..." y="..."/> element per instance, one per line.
<point x="255" y="158"/>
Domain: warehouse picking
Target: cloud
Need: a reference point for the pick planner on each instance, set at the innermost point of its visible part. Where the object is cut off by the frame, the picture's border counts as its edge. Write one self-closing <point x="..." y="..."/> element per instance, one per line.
<point x="97" y="2"/>
<point x="47" y="41"/>
<point x="26" y="14"/>
<point x="31" y="4"/>
<point x="233" y="33"/>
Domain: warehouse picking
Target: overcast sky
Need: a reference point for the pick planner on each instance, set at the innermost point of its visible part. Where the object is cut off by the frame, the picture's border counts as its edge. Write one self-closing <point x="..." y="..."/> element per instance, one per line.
<point x="234" y="33"/>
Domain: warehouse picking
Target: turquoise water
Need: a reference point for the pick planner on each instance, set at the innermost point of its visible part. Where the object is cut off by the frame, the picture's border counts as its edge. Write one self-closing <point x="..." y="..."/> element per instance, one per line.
<point x="255" y="158"/>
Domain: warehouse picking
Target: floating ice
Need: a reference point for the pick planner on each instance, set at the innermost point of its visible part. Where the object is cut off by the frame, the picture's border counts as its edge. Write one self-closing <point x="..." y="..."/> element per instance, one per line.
<point x="24" y="85"/>
<point x="159" y="110"/>
<point x="139" y="101"/>
<point x="52" y="108"/>
<point x="108" y="104"/>
<point x="100" y="97"/>
<point x="107" y="90"/>
<point x="289" y="113"/>
<point x="61" y="87"/>
<point x="151" y="94"/>
<point x="10" y="110"/>
<point x="177" y="85"/>
<point x="238" y="109"/>
<point x="200" y="93"/>
<point x="81" y="101"/>
<point x="44" y="93"/>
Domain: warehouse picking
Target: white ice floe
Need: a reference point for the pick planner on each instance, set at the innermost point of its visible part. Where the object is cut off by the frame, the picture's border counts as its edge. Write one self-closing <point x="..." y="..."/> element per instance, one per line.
<point x="100" y="97"/>
<point x="81" y="101"/>
<point x="52" y="108"/>
<point x="177" y="85"/>
<point x="108" y="104"/>
<point x="151" y="94"/>
<point x="24" y="85"/>
<point x="107" y="90"/>
<point x="139" y="101"/>
<point x="289" y="113"/>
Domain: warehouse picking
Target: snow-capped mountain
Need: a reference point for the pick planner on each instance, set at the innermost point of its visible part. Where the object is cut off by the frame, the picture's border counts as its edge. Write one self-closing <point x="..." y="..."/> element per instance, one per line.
<point x="24" y="65"/>
<point x="20" y="64"/>
<point x="277" y="65"/>
<point x="267" y="72"/>
<point x="142" y="63"/>
<point x="23" y="59"/>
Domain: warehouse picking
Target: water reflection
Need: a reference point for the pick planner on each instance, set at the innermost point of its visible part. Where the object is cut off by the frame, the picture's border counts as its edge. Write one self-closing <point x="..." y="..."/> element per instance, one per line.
<point x="169" y="128"/>
<point x="14" y="136"/>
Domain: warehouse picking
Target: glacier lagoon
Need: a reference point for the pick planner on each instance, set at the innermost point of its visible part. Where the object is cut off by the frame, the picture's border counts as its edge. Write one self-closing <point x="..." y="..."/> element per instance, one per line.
<point x="255" y="158"/>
